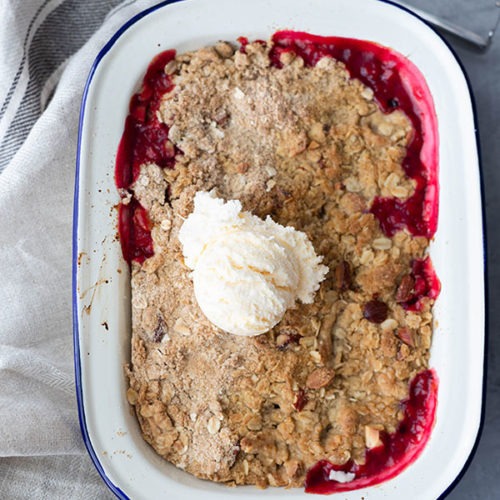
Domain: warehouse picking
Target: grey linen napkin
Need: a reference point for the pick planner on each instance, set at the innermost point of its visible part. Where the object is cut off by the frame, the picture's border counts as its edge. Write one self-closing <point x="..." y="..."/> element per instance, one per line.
<point x="46" y="51"/>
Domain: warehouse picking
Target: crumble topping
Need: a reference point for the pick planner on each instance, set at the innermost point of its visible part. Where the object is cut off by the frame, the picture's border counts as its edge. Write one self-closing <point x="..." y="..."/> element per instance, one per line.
<point x="310" y="147"/>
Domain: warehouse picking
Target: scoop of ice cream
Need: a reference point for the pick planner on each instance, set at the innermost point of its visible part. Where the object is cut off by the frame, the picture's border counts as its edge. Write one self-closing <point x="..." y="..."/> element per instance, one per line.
<point x="246" y="271"/>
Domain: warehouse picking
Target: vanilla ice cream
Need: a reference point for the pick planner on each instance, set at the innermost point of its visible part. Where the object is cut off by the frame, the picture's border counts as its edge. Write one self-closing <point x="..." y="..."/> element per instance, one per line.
<point x="246" y="271"/>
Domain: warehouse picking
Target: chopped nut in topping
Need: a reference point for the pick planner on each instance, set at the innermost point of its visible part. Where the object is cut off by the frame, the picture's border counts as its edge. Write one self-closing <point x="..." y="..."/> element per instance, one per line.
<point x="342" y="276"/>
<point x="171" y="67"/>
<point x="372" y="437"/>
<point x="320" y="377"/>
<point x="405" y="289"/>
<point x="224" y="49"/>
<point x="406" y="335"/>
<point x="132" y="396"/>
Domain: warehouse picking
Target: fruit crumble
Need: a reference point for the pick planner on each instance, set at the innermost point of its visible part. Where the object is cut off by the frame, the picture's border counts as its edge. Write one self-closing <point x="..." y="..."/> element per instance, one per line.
<point x="323" y="135"/>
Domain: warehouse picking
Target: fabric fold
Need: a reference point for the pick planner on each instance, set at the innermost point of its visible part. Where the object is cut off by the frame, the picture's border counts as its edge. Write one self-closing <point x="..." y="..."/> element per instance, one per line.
<point x="47" y="48"/>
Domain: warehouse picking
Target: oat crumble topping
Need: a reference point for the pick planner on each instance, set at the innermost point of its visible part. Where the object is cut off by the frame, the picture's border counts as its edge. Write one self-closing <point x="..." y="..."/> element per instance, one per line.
<point x="310" y="147"/>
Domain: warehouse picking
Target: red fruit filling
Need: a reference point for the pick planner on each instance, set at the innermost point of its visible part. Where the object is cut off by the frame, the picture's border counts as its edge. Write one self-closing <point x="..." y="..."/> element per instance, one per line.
<point x="427" y="284"/>
<point x="395" y="81"/>
<point x="135" y="232"/>
<point x="144" y="140"/>
<point x="397" y="84"/>
<point x="398" y="450"/>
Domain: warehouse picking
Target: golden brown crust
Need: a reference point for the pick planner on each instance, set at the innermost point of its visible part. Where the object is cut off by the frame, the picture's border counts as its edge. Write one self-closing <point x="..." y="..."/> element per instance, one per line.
<point x="309" y="147"/>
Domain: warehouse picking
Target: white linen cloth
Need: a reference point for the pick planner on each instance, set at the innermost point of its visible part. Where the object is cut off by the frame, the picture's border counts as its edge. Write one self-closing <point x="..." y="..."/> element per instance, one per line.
<point x="38" y="414"/>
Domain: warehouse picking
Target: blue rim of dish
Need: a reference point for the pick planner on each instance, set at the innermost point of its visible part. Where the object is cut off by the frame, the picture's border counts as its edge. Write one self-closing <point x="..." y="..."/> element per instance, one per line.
<point x="76" y="342"/>
<point x="76" y="336"/>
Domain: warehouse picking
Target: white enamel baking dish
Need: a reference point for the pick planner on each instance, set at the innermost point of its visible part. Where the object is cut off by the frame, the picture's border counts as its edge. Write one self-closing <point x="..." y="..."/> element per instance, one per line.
<point x="101" y="278"/>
